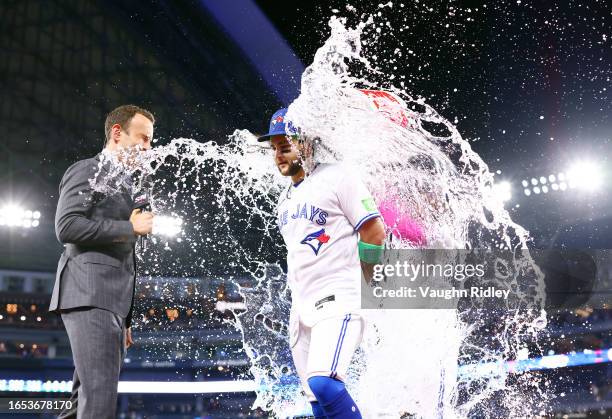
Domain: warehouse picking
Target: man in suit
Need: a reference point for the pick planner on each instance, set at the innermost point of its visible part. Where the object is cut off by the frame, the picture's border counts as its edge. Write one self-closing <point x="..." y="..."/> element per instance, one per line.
<point x="95" y="282"/>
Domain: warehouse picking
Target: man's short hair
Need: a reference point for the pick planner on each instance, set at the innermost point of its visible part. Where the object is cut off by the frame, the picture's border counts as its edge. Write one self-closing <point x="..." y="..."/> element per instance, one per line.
<point x="123" y="115"/>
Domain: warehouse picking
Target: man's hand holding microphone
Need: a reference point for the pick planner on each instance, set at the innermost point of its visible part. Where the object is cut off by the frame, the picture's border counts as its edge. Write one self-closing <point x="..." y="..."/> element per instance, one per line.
<point x="142" y="222"/>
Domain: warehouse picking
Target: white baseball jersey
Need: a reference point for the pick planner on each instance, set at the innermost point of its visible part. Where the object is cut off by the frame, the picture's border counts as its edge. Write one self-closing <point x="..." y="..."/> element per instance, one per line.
<point x="319" y="219"/>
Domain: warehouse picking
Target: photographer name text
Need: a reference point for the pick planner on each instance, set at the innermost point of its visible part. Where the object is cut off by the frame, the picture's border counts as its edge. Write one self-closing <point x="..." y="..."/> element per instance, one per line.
<point x="445" y="293"/>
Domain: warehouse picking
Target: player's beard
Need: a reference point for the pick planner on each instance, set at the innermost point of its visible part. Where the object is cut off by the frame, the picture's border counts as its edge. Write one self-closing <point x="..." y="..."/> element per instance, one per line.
<point x="294" y="168"/>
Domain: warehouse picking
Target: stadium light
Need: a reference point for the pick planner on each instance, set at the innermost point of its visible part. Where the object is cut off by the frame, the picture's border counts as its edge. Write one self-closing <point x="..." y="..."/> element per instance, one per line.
<point x="502" y="191"/>
<point x="583" y="175"/>
<point x="164" y="225"/>
<point x="15" y="216"/>
<point x="586" y="175"/>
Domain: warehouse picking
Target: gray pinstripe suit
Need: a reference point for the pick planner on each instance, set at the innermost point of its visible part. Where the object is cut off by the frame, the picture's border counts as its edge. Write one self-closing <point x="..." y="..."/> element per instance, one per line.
<point x="94" y="286"/>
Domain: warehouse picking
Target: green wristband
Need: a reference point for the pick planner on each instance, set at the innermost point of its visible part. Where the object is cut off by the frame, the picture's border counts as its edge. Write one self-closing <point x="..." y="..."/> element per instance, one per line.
<point x="370" y="253"/>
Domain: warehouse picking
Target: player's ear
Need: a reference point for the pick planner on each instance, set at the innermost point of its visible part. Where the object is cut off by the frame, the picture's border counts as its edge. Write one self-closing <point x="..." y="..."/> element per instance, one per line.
<point x="308" y="144"/>
<point x="303" y="147"/>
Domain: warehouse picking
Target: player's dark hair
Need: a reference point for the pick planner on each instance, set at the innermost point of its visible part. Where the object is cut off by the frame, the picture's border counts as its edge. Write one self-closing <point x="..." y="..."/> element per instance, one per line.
<point x="123" y="115"/>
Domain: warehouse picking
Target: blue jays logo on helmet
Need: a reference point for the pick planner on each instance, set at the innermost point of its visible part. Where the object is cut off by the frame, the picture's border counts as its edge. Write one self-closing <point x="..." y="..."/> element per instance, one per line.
<point x="316" y="240"/>
<point x="277" y="120"/>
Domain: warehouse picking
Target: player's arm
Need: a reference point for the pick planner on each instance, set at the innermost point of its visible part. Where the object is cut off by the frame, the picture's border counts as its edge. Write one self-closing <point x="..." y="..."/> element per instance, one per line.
<point x="72" y="223"/>
<point x="360" y="209"/>
<point x="371" y="245"/>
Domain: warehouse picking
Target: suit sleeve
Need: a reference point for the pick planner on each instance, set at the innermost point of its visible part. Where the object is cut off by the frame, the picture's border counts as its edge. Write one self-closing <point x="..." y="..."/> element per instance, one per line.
<point x="72" y="223"/>
<point x="130" y="315"/>
<point x="355" y="200"/>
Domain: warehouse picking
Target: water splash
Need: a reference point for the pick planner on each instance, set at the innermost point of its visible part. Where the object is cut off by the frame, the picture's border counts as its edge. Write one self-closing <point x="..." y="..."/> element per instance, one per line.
<point x="411" y="153"/>
<point x="407" y="153"/>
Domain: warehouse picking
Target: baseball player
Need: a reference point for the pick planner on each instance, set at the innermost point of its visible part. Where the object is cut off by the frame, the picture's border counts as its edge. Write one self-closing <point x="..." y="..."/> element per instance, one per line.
<point x="329" y="223"/>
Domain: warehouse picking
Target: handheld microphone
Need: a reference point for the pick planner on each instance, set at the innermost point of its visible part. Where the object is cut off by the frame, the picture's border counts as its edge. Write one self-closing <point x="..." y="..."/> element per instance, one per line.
<point x="142" y="202"/>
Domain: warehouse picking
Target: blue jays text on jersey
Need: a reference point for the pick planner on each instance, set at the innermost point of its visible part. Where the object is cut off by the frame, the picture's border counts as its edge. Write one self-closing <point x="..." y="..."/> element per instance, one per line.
<point x="304" y="211"/>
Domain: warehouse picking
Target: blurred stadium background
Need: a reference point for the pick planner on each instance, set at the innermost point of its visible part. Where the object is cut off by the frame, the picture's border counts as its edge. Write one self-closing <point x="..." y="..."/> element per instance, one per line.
<point x="205" y="68"/>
